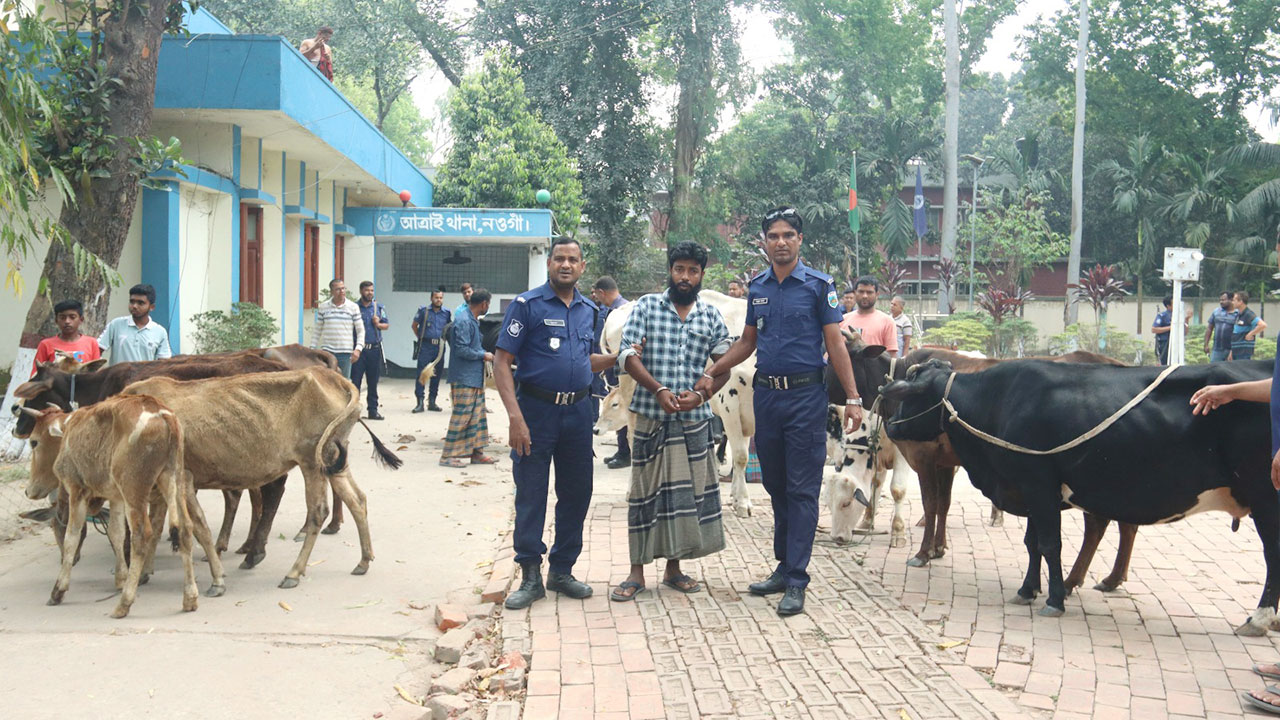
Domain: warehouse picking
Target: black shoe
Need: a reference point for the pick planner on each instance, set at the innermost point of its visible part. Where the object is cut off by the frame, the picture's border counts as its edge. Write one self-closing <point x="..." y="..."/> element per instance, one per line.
<point x="530" y="590"/>
<point x="792" y="603"/>
<point x="433" y="407"/>
<point x="775" y="583"/>
<point x="375" y="416"/>
<point x="418" y="408"/>
<point x="618" y="461"/>
<point x="566" y="584"/>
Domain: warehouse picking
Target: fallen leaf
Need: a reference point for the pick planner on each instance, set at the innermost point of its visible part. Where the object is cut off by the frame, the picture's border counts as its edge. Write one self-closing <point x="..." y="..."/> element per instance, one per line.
<point x="403" y="447"/>
<point x="483" y="685"/>
<point x="903" y="714"/>
<point x="470" y="483"/>
<point x="401" y="612"/>
<point x="419" y="606"/>
<point x="316" y="562"/>
<point x="484" y="563"/>
<point x="364" y="604"/>
<point x="407" y="697"/>
<point x="377" y="715"/>
<point x="285" y="606"/>
<point x="151" y="692"/>
<point x="950" y="644"/>
<point x="241" y="602"/>
<point x="281" y="536"/>
<point x="448" y="480"/>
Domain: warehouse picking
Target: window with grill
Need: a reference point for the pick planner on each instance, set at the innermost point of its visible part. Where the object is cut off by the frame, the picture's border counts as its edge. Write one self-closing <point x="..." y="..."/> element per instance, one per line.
<point x="423" y="267"/>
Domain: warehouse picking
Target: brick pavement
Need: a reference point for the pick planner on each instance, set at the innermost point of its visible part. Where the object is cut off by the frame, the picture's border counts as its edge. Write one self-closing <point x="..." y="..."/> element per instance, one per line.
<point x="884" y="640"/>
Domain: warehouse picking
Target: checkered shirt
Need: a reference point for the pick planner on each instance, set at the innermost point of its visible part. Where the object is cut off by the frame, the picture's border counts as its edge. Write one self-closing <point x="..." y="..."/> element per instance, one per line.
<point x="675" y="351"/>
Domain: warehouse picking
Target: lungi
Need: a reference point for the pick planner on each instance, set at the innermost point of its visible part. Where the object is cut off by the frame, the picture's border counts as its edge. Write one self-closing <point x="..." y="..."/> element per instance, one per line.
<point x="468" y="428"/>
<point x="673" y="505"/>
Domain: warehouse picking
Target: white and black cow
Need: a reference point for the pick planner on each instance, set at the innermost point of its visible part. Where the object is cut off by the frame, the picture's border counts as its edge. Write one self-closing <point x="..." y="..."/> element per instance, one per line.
<point x="1156" y="463"/>
<point x="863" y="460"/>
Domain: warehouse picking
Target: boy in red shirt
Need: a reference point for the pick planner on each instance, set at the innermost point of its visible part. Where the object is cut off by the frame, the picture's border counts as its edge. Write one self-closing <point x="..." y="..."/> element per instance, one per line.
<point x="82" y="348"/>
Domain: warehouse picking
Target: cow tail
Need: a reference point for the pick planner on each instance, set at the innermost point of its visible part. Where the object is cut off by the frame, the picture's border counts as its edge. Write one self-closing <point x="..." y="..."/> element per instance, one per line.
<point x="327" y="438"/>
<point x="176" y="468"/>
<point x="429" y="370"/>
<point x="382" y="453"/>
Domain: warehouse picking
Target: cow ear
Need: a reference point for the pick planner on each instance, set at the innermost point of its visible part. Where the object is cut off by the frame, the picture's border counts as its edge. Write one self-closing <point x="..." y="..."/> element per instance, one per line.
<point x="867" y="352"/>
<point x="32" y="388"/>
<point x="93" y="365"/>
<point x="899" y="389"/>
<point x="55" y="428"/>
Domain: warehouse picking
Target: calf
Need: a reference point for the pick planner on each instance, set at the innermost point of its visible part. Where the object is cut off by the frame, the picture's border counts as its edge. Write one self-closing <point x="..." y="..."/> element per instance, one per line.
<point x="861" y="459"/>
<point x="244" y="431"/>
<point x="1036" y="437"/>
<point x="125" y="450"/>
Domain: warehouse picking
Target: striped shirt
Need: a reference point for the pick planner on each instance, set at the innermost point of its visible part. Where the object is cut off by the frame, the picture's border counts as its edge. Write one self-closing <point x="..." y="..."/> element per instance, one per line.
<point x="675" y="351"/>
<point x="336" y="326"/>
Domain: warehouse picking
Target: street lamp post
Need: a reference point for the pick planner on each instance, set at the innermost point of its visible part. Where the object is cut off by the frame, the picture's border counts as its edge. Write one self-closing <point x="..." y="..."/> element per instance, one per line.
<point x="977" y="161"/>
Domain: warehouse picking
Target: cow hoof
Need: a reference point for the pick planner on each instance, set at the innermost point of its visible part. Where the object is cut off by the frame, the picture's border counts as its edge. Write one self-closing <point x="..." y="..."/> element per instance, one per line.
<point x="329" y="530"/>
<point x="146" y="577"/>
<point x="216" y="591"/>
<point x="1020" y="599"/>
<point x="190" y="604"/>
<point x="251" y="560"/>
<point x="937" y="552"/>
<point x="997" y="521"/>
<point x="54" y="601"/>
<point x="302" y="535"/>
<point x="1105" y="586"/>
<point x="1071" y="587"/>
<point x="288" y="583"/>
<point x="917" y="561"/>
<point x="1249" y="629"/>
<point x="897" y="541"/>
<point x="220" y="549"/>
<point x="1051" y="611"/>
<point x="920" y="522"/>
<point x="243" y="549"/>
<point x="360" y="569"/>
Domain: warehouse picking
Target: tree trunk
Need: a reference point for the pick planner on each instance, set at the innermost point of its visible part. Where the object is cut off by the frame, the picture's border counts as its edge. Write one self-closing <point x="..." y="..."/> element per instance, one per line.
<point x="1077" y="166"/>
<point x="1141" y="267"/>
<point x="691" y="128"/>
<point x="102" y="214"/>
<point x="950" y="184"/>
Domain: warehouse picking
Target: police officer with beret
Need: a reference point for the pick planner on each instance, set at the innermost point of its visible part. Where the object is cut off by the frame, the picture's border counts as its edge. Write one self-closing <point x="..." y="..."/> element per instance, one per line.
<point x="792" y="317"/>
<point x="549" y="332"/>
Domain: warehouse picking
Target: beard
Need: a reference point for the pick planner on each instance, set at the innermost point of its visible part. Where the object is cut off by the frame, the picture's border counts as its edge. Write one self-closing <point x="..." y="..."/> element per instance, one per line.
<point x="683" y="297"/>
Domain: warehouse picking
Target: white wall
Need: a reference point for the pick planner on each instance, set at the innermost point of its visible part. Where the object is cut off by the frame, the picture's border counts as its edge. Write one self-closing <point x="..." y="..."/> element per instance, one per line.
<point x="204" y="242"/>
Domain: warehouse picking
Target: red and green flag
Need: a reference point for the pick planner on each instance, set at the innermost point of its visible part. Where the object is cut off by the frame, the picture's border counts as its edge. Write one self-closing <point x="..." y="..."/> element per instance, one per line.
<point x="854" y="215"/>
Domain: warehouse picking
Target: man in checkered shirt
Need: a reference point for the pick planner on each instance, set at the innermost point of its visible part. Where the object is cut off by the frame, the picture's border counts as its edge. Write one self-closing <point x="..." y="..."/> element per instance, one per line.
<point x="674" y="500"/>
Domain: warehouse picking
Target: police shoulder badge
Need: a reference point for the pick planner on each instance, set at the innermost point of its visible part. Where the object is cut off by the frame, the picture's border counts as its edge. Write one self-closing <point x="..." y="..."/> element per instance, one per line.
<point x="832" y="300"/>
<point x="514" y="328"/>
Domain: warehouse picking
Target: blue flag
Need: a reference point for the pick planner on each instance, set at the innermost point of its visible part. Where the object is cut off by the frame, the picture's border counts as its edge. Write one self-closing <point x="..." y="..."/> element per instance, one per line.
<point x="921" y="222"/>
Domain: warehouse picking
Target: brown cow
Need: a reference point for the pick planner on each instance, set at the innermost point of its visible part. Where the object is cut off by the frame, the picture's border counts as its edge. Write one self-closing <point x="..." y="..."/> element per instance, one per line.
<point x="244" y="431"/>
<point x="935" y="463"/>
<point x="126" y="450"/>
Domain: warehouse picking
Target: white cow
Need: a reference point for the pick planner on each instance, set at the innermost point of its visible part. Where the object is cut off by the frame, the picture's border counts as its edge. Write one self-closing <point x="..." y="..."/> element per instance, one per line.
<point x="862" y="464"/>
<point x="733" y="404"/>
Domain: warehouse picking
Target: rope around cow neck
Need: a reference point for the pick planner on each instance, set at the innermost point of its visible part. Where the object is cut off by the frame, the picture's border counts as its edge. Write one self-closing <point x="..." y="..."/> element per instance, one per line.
<point x="1097" y="430"/>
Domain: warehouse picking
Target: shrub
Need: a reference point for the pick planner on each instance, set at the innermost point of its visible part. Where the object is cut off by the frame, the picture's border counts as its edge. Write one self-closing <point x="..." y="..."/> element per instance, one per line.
<point x="1120" y="345"/>
<point x="246" y="326"/>
<point x="964" y="331"/>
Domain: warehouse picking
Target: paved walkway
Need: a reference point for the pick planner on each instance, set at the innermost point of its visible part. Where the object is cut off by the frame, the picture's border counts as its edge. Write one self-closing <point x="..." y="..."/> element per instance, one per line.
<point x="883" y="640"/>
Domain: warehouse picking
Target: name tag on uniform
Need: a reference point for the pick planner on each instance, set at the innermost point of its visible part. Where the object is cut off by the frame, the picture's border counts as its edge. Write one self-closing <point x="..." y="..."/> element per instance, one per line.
<point x="553" y="322"/>
<point x="760" y="301"/>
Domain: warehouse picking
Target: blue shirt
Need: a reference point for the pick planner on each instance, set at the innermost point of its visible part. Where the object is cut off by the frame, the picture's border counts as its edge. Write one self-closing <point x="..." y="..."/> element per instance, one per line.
<point x="1164" y="318"/>
<point x="126" y="342"/>
<point x="552" y="342"/>
<point x="467" y="366"/>
<point x="372" y="333"/>
<point x="1223" y="322"/>
<point x="1246" y="321"/>
<point x="433" y="327"/>
<point x="789" y="317"/>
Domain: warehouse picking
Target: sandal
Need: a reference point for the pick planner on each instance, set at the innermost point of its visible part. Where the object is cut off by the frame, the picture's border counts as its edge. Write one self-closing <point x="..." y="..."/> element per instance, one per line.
<point x="1257" y="668"/>
<point x="482" y="459"/>
<point x="1260" y="704"/>
<point x="453" y="462"/>
<point x="619" y="593"/>
<point x="683" y="583"/>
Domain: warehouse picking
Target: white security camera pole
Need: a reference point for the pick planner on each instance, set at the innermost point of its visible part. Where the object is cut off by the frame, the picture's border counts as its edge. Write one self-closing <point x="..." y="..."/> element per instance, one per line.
<point x="1180" y="265"/>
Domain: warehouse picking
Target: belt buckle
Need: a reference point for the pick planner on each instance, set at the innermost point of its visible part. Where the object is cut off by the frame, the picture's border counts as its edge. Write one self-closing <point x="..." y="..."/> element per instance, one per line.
<point x="779" y="382"/>
<point x="562" y="398"/>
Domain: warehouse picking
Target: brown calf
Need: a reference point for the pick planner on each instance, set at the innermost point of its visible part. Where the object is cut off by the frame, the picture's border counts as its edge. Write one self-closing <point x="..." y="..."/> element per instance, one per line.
<point x="126" y="450"/>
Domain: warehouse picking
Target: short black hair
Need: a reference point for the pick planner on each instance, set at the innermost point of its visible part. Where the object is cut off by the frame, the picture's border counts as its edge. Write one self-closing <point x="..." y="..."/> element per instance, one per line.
<point x="438" y="290"/>
<point x="1168" y="300"/>
<point x="366" y="283"/>
<point x="68" y="306"/>
<point x="735" y="281"/>
<point x="847" y="291"/>
<point x="606" y="283"/>
<point x="479" y="295"/>
<point x="785" y="213"/>
<point x="145" y="290"/>
<point x="687" y="250"/>
<point x="1242" y="296"/>
<point x="564" y="240"/>
<point x="867" y="280"/>
<point x="1228" y="293"/>
<point x="335" y="281"/>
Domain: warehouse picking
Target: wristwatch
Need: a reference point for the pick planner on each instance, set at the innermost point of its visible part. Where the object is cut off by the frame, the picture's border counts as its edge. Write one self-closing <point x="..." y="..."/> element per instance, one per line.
<point x="854" y="401"/>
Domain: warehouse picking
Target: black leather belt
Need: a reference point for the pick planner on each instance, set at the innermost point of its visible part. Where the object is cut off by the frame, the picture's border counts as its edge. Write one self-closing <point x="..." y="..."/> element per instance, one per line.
<point x="434" y="341"/>
<point x="372" y="345"/>
<point x="555" y="398"/>
<point x="788" y="382"/>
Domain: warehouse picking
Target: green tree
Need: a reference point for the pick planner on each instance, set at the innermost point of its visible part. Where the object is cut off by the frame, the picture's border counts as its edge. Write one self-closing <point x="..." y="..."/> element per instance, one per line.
<point x="1016" y="239"/>
<point x="581" y="66"/>
<point x="502" y="152"/>
<point x="404" y="125"/>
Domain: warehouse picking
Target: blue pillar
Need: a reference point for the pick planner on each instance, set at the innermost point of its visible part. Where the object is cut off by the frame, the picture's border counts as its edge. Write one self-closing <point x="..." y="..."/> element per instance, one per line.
<point x="160" y="257"/>
<point x="235" y="215"/>
<point x="284" y="264"/>
<point x="302" y="249"/>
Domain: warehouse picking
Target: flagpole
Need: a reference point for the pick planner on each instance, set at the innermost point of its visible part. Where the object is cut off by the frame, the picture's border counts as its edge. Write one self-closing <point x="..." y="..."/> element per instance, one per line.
<point x="857" y="256"/>
<point x="855" y="216"/>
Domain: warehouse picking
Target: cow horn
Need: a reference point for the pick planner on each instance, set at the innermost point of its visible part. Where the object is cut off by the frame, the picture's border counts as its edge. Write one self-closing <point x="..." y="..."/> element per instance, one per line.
<point x="31" y="411"/>
<point x="54" y="406"/>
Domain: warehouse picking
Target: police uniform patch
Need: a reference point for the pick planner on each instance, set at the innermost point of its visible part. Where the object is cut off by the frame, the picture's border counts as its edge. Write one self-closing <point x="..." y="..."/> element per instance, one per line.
<point x="831" y="298"/>
<point x="514" y="328"/>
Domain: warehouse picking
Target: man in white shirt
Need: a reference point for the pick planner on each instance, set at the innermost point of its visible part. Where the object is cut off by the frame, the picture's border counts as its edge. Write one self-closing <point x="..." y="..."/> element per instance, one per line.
<point x="136" y="337"/>
<point x="905" y="326"/>
<point x="339" y="327"/>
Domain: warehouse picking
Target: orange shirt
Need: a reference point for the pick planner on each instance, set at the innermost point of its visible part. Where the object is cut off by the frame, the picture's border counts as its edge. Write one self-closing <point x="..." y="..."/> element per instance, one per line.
<point x="83" y="350"/>
<point x="876" y="327"/>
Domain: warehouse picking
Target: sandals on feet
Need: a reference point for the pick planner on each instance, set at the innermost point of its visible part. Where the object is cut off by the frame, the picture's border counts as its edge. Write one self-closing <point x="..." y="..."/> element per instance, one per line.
<point x="453" y="462"/>
<point x="1257" y="668"/>
<point x="482" y="460"/>
<point x="1260" y="704"/>
<point x="620" y="593"/>
<point x="683" y="583"/>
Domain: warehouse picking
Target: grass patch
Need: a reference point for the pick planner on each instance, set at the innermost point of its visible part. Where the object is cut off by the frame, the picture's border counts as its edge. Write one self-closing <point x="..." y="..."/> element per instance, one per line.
<point x="5" y="376"/>
<point x="14" y="473"/>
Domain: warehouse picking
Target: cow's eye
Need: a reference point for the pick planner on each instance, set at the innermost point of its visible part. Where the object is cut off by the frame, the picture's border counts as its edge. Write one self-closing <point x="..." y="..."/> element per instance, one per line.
<point x="34" y="443"/>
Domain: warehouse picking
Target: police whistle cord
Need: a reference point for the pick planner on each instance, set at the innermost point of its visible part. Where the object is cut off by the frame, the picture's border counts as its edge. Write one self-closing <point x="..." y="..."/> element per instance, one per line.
<point x="1097" y="430"/>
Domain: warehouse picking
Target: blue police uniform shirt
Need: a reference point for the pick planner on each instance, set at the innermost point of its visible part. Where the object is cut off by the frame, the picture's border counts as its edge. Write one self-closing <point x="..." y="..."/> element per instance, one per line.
<point x="788" y="318"/>
<point x="1164" y="318"/>
<point x="552" y="342"/>
<point x="372" y="334"/>
<point x="1275" y="403"/>
<point x="435" y="321"/>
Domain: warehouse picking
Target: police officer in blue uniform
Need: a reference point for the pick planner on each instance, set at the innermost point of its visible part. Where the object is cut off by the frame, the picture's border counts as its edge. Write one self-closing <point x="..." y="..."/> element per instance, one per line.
<point x="549" y="332"/>
<point x="428" y="328"/>
<point x="792" y="317"/>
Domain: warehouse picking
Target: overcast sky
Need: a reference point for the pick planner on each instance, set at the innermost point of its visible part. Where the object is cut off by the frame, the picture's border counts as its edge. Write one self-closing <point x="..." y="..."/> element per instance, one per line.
<point x="762" y="48"/>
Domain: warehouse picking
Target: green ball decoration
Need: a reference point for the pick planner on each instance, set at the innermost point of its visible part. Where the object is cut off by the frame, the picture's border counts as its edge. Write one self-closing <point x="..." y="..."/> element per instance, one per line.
<point x="543" y="197"/>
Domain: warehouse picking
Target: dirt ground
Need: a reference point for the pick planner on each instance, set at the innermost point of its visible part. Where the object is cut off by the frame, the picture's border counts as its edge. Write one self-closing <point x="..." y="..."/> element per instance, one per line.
<point x="334" y="647"/>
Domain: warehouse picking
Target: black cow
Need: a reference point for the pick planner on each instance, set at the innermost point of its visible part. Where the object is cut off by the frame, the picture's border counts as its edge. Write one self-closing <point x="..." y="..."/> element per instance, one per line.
<point x="1157" y="463"/>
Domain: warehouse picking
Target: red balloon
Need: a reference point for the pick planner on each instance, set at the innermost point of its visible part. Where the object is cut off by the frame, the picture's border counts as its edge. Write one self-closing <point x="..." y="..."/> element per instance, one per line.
<point x="405" y="195"/>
